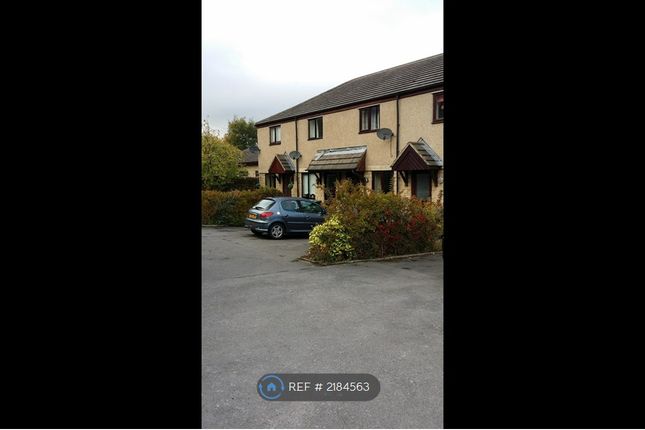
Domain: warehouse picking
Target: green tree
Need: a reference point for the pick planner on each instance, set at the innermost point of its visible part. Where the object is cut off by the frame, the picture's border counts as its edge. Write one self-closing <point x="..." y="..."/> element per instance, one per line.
<point x="241" y="133"/>
<point x="220" y="161"/>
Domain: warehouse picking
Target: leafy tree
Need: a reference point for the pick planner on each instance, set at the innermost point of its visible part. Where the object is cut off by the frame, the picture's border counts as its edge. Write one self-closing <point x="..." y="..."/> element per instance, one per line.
<point x="220" y="161"/>
<point x="241" y="133"/>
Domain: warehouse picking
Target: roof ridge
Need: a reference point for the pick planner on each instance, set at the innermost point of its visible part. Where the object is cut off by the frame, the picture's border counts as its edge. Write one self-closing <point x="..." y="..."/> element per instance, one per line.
<point x="367" y="87"/>
<point x="392" y="68"/>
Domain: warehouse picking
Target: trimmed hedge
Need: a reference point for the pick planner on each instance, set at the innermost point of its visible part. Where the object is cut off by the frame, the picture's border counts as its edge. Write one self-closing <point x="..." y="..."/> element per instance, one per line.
<point x="230" y="207"/>
<point x="364" y="224"/>
<point x="242" y="183"/>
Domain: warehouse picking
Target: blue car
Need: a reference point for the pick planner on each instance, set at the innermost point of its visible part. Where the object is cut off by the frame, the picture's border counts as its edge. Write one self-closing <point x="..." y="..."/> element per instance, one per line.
<point x="279" y="216"/>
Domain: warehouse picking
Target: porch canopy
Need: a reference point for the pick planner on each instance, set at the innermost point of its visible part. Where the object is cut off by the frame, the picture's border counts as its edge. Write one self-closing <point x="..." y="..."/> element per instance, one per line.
<point x="417" y="156"/>
<point x="281" y="164"/>
<point x="348" y="158"/>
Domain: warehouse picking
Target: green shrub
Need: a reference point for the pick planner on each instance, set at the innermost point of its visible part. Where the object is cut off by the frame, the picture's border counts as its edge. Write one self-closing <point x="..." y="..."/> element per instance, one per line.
<point x="330" y="242"/>
<point x="376" y="225"/>
<point x="230" y="207"/>
<point x="242" y="183"/>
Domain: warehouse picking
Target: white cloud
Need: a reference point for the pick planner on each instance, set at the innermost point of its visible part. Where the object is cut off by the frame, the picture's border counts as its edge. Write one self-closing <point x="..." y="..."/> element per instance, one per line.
<point x="257" y="54"/>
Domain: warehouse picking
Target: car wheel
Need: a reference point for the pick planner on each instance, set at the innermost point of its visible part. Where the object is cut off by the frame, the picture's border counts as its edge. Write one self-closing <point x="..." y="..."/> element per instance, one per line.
<point x="276" y="231"/>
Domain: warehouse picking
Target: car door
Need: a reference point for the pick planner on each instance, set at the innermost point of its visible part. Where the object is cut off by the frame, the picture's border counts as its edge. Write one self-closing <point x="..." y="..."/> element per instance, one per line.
<point x="313" y="212"/>
<point x="292" y="216"/>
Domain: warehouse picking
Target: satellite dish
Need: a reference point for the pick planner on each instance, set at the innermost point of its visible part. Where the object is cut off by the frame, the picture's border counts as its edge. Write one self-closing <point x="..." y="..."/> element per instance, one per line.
<point x="295" y="155"/>
<point x="384" y="133"/>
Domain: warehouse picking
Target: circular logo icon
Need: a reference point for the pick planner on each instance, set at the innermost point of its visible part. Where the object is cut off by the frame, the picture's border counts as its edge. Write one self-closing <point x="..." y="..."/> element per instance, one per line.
<point x="270" y="387"/>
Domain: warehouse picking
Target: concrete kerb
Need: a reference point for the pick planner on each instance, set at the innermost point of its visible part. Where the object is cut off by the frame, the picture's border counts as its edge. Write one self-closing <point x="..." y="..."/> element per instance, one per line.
<point x="392" y="257"/>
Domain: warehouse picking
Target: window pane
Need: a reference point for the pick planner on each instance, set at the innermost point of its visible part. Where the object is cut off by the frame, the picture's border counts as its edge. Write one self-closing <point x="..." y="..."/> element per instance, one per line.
<point x="438" y="106"/>
<point x="387" y="182"/>
<point x="309" y="207"/>
<point x="264" y="204"/>
<point x="308" y="183"/>
<point x="275" y="134"/>
<point x="289" y="205"/>
<point x="319" y="133"/>
<point x="375" y="118"/>
<point x="305" y="183"/>
<point x="422" y="185"/>
<point x="312" y="183"/>
<point x="378" y="177"/>
<point x="364" y="119"/>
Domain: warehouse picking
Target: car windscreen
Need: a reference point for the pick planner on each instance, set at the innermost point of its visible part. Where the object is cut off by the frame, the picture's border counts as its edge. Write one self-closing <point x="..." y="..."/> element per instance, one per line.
<point x="264" y="204"/>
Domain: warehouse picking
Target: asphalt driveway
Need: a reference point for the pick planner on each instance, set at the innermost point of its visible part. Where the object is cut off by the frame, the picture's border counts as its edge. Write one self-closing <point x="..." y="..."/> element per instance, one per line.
<point x="263" y="311"/>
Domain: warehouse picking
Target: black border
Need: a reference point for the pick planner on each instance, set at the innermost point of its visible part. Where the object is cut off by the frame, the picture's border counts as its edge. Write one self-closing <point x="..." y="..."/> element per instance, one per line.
<point x="538" y="330"/>
<point x="106" y="328"/>
<point x="103" y="200"/>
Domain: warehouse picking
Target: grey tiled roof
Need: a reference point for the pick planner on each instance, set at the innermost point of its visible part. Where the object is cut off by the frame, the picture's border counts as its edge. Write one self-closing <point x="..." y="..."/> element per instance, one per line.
<point x="348" y="158"/>
<point x="250" y="155"/>
<point x="426" y="158"/>
<point x="417" y="75"/>
<point x="286" y="162"/>
<point x="428" y="155"/>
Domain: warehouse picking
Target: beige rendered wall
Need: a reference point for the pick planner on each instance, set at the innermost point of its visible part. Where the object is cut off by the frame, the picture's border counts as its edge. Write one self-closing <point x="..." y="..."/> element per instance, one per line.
<point x="416" y="121"/>
<point x="340" y="129"/>
<point x="268" y="152"/>
<point x="250" y="170"/>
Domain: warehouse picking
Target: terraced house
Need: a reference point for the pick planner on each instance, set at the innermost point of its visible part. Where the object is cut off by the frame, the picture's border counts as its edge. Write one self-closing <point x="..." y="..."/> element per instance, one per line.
<point x="384" y="129"/>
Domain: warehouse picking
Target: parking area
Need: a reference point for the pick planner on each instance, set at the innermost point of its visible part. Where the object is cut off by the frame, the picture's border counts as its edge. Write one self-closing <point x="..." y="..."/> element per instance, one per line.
<point x="264" y="311"/>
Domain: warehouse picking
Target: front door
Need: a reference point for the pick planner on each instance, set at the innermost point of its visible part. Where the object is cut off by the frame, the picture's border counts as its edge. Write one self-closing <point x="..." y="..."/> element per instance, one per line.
<point x="421" y="185"/>
<point x="330" y="184"/>
<point x="287" y="178"/>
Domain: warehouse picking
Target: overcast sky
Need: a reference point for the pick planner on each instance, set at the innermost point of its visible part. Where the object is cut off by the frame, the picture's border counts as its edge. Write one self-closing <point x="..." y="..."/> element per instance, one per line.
<point x="262" y="57"/>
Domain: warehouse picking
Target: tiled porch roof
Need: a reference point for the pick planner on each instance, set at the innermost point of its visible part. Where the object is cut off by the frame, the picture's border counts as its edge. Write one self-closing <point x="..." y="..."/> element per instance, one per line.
<point x="349" y="158"/>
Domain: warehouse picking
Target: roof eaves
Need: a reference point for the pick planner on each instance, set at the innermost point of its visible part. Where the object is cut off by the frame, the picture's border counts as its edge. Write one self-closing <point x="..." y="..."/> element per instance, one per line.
<point x="344" y="106"/>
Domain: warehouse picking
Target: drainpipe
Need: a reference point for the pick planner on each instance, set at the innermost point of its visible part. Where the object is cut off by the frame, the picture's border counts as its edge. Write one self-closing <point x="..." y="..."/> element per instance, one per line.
<point x="397" y="140"/>
<point x="297" y="173"/>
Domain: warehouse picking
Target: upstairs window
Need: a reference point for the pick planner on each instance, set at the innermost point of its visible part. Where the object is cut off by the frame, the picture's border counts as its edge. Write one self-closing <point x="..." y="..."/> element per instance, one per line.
<point x="315" y="128"/>
<point x="438" y="108"/>
<point x="274" y="135"/>
<point x="369" y="119"/>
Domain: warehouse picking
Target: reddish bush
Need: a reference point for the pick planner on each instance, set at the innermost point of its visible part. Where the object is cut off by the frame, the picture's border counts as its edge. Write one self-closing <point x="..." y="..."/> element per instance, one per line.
<point x="381" y="225"/>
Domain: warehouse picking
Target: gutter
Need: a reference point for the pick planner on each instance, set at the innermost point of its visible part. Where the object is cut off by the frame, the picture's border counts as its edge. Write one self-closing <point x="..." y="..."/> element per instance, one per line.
<point x="352" y="105"/>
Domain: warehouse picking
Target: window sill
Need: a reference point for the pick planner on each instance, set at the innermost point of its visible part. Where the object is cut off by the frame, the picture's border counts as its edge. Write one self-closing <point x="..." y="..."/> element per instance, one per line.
<point x="437" y="121"/>
<point x="275" y="143"/>
<point x="315" y="138"/>
<point x="367" y="131"/>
